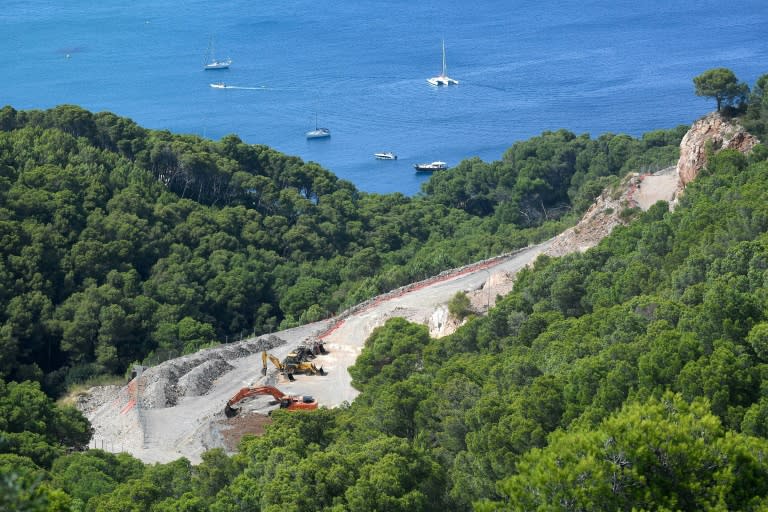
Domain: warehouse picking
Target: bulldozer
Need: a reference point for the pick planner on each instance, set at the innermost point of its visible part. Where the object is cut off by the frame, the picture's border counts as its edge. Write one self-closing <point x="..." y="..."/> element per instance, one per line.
<point x="291" y="365"/>
<point x="288" y="402"/>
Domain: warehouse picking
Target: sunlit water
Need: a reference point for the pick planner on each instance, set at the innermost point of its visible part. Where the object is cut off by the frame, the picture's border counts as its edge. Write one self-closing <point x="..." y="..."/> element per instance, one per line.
<point x="361" y="69"/>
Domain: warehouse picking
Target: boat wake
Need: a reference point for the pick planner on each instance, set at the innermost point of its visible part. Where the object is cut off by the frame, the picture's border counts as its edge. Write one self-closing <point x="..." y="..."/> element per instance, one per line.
<point x="242" y="88"/>
<point x="259" y="88"/>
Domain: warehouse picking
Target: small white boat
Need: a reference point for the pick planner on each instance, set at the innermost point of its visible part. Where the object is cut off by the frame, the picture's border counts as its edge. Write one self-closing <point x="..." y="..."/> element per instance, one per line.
<point x="385" y="155"/>
<point x="318" y="133"/>
<point x="219" y="64"/>
<point x="211" y="62"/>
<point x="218" y="85"/>
<point x="430" y="167"/>
<point x="442" y="78"/>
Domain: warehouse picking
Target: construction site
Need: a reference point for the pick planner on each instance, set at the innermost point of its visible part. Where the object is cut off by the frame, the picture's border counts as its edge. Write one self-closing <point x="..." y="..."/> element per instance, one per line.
<point x="210" y="399"/>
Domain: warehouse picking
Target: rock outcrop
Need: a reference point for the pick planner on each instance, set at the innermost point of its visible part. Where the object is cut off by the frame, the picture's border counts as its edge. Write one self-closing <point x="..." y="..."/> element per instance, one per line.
<point x="717" y="131"/>
<point x="643" y="190"/>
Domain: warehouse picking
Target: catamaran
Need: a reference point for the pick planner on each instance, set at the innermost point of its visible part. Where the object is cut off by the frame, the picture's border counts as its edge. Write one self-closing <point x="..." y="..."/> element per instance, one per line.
<point x="443" y="78"/>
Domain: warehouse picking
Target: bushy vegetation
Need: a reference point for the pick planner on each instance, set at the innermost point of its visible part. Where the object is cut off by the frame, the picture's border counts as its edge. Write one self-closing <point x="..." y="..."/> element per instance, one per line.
<point x="629" y="377"/>
<point x="118" y="243"/>
<point x="632" y="376"/>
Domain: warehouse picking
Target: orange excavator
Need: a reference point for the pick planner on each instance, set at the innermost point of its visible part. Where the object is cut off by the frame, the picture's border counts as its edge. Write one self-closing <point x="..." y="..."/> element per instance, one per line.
<point x="288" y="402"/>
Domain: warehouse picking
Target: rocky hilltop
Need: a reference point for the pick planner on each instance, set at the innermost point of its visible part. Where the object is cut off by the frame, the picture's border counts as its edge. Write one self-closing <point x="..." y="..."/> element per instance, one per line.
<point x="643" y="190"/>
<point x="712" y="130"/>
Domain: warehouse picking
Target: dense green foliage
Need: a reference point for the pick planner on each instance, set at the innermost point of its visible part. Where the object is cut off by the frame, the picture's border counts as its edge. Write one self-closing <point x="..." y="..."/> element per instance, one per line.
<point x="541" y="178"/>
<point x="118" y="242"/>
<point x="630" y="377"/>
<point x="35" y="434"/>
<point x="756" y="116"/>
<point x="559" y="399"/>
<point x="722" y="85"/>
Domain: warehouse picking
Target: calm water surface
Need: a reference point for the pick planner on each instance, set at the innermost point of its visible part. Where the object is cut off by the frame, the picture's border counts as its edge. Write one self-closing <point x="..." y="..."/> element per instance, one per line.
<point x="361" y="68"/>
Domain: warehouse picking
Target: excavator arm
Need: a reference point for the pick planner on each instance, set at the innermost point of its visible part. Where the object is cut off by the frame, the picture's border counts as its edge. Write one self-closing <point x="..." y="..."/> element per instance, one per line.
<point x="281" y="367"/>
<point x="291" y="403"/>
<point x="229" y="409"/>
<point x="276" y="362"/>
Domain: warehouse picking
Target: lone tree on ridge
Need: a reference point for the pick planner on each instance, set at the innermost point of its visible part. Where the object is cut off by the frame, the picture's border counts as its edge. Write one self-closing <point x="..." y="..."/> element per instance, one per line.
<point x="721" y="84"/>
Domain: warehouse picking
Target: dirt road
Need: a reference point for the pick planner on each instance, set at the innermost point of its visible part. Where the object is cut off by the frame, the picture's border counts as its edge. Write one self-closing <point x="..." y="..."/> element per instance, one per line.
<point x="176" y="408"/>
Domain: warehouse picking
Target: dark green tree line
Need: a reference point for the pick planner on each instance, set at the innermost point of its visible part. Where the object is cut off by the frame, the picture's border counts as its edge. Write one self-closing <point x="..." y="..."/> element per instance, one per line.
<point x="118" y="242"/>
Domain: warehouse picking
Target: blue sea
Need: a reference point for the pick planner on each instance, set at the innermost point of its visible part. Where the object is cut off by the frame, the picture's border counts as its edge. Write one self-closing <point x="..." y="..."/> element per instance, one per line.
<point x="360" y="69"/>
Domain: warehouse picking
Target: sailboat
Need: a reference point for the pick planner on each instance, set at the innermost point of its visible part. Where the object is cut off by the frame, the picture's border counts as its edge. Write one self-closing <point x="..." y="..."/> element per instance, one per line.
<point x="318" y="133"/>
<point x="212" y="63"/>
<point x="443" y="78"/>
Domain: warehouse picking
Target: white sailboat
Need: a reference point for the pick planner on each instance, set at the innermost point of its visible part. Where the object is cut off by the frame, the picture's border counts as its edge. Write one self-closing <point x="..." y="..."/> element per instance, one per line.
<point x="318" y="132"/>
<point x="211" y="62"/>
<point x="443" y="78"/>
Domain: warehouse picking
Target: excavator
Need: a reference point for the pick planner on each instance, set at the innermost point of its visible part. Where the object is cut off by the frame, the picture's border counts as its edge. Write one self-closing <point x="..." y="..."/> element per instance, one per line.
<point x="291" y="365"/>
<point x="288" y="402"/>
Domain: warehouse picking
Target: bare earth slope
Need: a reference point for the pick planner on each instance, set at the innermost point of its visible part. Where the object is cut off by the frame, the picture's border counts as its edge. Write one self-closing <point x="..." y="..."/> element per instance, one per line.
<point x="175" y="409"/>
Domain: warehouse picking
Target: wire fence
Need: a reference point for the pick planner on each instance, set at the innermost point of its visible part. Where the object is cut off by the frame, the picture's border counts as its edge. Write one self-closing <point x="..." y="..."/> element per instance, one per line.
<point x="108" y="445"/>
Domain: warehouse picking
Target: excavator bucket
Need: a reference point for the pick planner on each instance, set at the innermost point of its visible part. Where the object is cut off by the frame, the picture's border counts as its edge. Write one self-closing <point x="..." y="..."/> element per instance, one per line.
<point x="264" y="371"/>
<point x="290" y="377"/>
<point x="322" y="349"/>
<point x="321" y="371"/>
<point x="230" y="412"/>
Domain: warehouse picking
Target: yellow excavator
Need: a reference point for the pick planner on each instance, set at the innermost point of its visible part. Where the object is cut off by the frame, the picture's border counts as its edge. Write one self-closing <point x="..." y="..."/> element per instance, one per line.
<point x="290" y="365"/>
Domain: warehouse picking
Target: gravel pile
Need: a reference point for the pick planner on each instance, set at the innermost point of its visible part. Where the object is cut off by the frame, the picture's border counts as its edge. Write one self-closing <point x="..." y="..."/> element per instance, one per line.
<point x="95" y="397"/>
<point x="199" y="380"/>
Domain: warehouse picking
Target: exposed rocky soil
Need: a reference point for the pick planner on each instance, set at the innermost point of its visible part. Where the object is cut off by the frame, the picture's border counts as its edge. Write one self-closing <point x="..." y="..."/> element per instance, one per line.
<point x="635" y="191"/>
<point x="713" y="131"/>
<point x="247" y="423"/>
<point x="176" y="408"/>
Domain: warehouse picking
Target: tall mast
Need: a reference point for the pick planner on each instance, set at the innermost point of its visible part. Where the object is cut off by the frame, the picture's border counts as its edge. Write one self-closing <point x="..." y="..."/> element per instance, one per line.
<point x="444" y="70"/>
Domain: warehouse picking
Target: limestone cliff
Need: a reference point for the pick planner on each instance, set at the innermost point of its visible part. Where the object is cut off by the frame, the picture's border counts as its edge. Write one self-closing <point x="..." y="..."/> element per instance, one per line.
<point x="714" y="129"/>
<point x="643" y="190"/>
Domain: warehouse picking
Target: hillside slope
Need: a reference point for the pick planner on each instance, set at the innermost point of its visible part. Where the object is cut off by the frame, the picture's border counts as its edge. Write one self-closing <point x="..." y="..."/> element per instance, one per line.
<point x="175" y="409"/>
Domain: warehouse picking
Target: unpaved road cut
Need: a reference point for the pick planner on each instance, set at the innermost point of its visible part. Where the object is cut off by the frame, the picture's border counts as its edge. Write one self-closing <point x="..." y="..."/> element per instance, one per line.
<point x="175" y="409"/>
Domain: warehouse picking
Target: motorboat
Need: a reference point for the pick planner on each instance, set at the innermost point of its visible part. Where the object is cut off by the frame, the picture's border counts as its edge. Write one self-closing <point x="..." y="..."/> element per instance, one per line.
<point x="385" y="155"/>
<point x="430" y="167"/>
<point x="442" y="78"/>
<point x="218" y="85"/>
